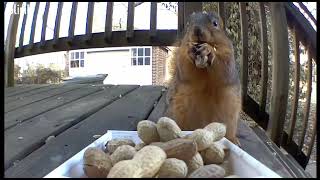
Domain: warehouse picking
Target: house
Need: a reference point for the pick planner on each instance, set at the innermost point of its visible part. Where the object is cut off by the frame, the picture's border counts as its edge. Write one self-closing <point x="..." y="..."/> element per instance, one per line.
<point x="143" y="65"/>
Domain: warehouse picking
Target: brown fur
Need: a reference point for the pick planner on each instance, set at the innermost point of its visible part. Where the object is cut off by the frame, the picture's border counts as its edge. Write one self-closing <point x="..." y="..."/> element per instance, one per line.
<point x="199" y="96"/>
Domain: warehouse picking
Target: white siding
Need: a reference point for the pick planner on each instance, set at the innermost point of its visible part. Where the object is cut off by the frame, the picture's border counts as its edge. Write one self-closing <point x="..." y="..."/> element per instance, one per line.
<point x="116" y="62"/>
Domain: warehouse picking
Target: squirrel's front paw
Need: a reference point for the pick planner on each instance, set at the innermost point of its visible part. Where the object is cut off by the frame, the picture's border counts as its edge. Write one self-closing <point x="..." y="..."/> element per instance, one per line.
<point x="204" y="55"/>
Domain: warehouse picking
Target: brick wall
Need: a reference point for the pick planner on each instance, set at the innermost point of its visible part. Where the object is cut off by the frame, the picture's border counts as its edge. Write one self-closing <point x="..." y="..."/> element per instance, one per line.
<point x="159" y="56"/>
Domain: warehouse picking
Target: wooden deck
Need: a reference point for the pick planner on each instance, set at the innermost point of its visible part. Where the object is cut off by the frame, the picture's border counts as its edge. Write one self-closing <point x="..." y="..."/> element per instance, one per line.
<point x="73" y="114"/>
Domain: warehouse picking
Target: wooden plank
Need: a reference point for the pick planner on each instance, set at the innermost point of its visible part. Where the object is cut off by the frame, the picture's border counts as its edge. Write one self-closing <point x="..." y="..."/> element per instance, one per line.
<point x="159" y="109"/>
<point x="72" y="23"/>
<point x="122" y="114"/>
<point x="28" y="93"/>
<point x="251" y="108"/>
<point x="44" y="24"/>
<point x="141" y="38"/>
<point x="24" y="113"/>
<point x="293" y="149"/>
<point x="10" y="48"/>
<point x="89" y="21"/>
<point x="257" y="148"/>
<point x="295" y="98"/>
<point x="264" y="56"/>
<point x="23" y="27"/>
<point x="180" y="20"/>
<point x="34" y="23"/>
<point x="130" y="20"/>
<point x="308" y="100"/>
<point x="57" y="22"/>
<point x="25" y="89"/>
<point x="294" y="169"/>
<point x="222" y="13"/>
<point x="153" y="19"/>
<point x="47" y="93"/>
<point x="10" y="90"/>
<point x="313" y="136"/>
<point x="280" y="72"/>
<point x="52" y="123"/>
<point x="244" y="47"/>
<point x="108" y="24"/>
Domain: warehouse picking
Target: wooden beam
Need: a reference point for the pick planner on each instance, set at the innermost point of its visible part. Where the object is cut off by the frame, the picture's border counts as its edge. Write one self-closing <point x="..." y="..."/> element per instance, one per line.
<point x="34" y="23"/>
<point x="153" y="19"/>
<point x="141" y="38"/>
<point x="130" y="20"/>
<point x="307" y="103"/>
<point x="295" y="99"/>
<point x="44" y="23"/>
<point x="264" y="56"/>
<point x="280" y="72"/>
<point x="10" y="48"/>
<point x="72" y="22"/>
<point x="89" y="21"/>
<point x="108" y="24"/>
<point x="244" y="57"/>
<point x="57" y="23"/>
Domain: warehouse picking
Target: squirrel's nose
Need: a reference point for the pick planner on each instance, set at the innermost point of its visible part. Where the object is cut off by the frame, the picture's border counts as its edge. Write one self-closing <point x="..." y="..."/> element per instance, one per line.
<point x="197" y="31"/>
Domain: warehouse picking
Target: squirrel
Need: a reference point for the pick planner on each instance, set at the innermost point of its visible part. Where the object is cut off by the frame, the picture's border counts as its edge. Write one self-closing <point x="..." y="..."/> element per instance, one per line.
<point x="205" y="85"/>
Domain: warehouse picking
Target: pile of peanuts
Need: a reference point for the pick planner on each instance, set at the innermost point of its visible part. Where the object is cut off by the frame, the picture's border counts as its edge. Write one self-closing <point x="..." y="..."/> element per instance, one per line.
<point x="163" y="153"/>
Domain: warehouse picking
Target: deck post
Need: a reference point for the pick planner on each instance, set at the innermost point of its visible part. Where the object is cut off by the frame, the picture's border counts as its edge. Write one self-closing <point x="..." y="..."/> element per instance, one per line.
<point x="10" y="48"/>
<point x="280" y="71"/>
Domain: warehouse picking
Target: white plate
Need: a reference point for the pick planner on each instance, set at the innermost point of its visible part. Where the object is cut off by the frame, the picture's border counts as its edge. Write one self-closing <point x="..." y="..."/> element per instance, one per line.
<point x="240" y="162"/>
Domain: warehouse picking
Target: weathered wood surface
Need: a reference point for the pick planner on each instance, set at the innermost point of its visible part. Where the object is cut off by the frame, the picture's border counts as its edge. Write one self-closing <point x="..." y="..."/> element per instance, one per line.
<point x="264" y="57"/>
<point x="37" y="129"/>
<point x="123" y="114"/>
<point x="296" y="85"/>
<point x="244" y="47"/>
<point x="24" y="113"/>
<point x="108" y="24"/>
<point x="9" y="48"/>
<point x="19" y="90"/>
<point x="292" y="167"/>
<point x="280" y="71"/>
<point x="30" y="97"/>
<point x="73" y="124"/>
<point x="28" y="93"/>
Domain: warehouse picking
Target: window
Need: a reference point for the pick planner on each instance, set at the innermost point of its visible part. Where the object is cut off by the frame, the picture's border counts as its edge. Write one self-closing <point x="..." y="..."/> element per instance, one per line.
<point x="140" y="56"/>
<point x="77" y="59"/>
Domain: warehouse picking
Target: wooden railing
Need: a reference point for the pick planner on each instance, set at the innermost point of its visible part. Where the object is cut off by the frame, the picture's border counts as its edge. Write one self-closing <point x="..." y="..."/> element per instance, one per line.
<point x="283" y="16"/>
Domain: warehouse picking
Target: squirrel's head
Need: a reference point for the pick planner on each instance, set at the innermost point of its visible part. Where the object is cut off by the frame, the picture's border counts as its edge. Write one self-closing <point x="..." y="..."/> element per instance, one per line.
<point x="202" y="27"/>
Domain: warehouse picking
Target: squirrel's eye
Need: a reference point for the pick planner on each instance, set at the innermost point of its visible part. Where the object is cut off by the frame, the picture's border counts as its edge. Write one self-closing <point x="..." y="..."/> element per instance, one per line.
<point x="215" y="24"/>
